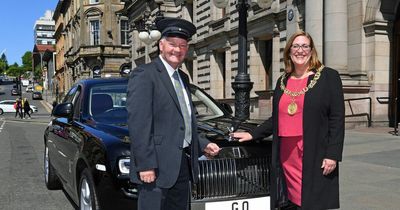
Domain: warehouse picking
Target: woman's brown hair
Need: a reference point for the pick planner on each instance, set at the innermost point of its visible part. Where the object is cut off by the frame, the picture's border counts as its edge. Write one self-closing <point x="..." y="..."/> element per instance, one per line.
<point x="314" y="62"/>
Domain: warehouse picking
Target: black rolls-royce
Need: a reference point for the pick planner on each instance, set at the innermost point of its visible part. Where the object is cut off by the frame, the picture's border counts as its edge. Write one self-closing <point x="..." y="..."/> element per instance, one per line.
<point x="87" y="149"/>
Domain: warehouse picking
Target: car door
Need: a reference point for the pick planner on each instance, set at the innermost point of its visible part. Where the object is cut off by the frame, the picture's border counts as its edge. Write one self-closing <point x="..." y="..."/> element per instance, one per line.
<point x="73" y="143"/>
<point x="61" y="127"/>
<point x="9" y="106"/>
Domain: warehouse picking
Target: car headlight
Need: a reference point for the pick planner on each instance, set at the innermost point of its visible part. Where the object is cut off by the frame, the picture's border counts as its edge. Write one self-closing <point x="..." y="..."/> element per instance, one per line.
<point x="123" y="165"/>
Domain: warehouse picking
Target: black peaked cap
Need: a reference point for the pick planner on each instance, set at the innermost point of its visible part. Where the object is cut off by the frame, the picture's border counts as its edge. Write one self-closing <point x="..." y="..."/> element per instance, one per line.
<point x="176" y="27"/>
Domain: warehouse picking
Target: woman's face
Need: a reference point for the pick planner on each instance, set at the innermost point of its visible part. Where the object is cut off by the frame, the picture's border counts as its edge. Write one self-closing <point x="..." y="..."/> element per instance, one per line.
<point x="300" y="51"/>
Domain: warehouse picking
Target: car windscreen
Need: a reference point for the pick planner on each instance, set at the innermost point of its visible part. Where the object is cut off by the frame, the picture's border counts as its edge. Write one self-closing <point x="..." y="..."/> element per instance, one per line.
<point x="108" y="103"/>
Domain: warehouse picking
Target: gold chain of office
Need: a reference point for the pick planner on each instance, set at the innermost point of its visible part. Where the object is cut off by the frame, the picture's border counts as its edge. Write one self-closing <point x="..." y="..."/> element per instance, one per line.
<point x="305" y="89"/>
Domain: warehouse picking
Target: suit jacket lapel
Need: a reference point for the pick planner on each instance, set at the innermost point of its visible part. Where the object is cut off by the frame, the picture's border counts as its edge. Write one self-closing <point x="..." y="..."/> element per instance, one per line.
<point x="166" y="80"/>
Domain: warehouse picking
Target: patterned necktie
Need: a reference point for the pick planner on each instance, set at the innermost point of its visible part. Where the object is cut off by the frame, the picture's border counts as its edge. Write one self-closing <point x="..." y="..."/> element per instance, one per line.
<point x="184" y="109"/>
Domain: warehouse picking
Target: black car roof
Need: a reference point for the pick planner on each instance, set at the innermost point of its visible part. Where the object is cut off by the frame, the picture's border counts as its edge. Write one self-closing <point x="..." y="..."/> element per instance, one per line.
<point x="94" y="81"/>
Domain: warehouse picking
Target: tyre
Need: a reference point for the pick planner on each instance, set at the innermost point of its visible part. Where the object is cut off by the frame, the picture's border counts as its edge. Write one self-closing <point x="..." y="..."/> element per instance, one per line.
<point x="51" y="179"/>
<point x="1" y="112"/>
<point x="88" y="199"/>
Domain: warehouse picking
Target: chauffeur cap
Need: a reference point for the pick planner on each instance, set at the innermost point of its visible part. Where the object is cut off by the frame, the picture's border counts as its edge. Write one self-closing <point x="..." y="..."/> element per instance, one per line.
<point x="176" y="27"/>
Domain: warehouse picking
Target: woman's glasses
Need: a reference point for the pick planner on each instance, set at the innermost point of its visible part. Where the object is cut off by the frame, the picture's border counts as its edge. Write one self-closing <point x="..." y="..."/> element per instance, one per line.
<point x="305" y="48"/>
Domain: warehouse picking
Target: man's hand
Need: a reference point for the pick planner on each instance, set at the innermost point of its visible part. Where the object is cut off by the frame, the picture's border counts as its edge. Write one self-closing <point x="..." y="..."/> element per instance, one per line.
<point x="147" y="176"/>
<point x="328" y="165"/>
<point x="212" y="149"/>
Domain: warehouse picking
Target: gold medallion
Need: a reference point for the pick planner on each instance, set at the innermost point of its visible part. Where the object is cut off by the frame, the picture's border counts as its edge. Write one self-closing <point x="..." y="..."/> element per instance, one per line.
<point x="292" y="108"/>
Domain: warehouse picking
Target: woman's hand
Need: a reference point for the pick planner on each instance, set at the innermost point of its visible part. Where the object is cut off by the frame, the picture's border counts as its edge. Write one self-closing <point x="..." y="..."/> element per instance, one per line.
<point x="328" y="165"/>
<point x="241" y="136"/>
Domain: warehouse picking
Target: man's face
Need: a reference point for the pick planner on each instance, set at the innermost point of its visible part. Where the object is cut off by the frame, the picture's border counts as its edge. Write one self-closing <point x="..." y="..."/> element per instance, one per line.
<point x="173" y="50"/>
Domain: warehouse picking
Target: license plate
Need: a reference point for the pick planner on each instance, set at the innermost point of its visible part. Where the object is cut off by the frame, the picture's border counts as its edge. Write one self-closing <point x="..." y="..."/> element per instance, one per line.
<point x="261" y="203"/>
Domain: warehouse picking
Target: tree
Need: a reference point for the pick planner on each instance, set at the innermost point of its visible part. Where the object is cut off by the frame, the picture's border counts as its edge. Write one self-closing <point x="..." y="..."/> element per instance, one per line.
<point x="3" y="63"/>
<point x="14" y="70"/>
<point x="27" y="64"/>
<point x="27" y="61"/>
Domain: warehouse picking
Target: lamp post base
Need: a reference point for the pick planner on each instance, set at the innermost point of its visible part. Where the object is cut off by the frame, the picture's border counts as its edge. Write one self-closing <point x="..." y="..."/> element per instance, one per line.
<point x="242" y="98"/>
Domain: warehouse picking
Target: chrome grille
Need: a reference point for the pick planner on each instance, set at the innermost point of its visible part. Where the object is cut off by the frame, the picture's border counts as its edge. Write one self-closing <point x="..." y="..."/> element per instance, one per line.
<point x="235" y="177"/>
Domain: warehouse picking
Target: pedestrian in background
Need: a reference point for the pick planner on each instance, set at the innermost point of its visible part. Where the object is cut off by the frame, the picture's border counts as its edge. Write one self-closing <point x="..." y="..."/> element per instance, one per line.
<point x="18" y="107"/>
<point x="27" y="109"/>
<point x="162" y="124"/>
<point x="307" y="125"/>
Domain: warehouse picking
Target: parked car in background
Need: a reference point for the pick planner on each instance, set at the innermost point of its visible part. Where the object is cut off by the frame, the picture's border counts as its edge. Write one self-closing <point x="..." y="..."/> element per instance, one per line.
<point x="37" y="95"/>
<point x="15" y="92"/>
<point x="8" y="106"/>
<point x="87" y="152"/>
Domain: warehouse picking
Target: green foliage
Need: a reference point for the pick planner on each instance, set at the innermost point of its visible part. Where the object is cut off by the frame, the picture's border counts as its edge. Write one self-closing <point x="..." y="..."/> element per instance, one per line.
<point x="27" y="61"/>
<point x="37" y="73"/>
<point x="14" y="70"/>
<point x="3" y="63"/>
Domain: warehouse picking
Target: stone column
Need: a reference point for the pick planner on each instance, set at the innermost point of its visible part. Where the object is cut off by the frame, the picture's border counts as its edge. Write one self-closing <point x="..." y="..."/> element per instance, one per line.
<point x="276" y="57"/>
<point x="314" y="23"/>
<point x="228" y="72"/>
<point x="335" y="35"/>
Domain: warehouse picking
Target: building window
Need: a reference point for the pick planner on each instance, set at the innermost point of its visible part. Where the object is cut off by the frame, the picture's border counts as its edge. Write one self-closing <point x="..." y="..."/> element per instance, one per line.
<point x="94" y="32"/>
<point x="124" y="32"/>
<point x="94" y="1"/>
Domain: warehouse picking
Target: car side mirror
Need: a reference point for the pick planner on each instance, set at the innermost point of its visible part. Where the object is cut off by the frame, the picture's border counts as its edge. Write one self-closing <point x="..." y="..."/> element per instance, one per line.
<point x="227" y="107"/>
<point x="63" y="110"/>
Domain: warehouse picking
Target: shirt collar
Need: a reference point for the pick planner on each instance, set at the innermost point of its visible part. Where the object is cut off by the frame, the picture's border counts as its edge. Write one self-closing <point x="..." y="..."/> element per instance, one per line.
<point x="169" y="68"/>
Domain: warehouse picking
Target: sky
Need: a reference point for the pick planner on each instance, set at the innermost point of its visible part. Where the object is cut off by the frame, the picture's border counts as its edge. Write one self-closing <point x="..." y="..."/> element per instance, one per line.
<point x="17" y="18"/>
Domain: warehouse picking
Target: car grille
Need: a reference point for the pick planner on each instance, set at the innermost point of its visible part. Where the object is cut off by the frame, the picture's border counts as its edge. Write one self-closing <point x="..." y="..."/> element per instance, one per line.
<point x="236" y="177"/>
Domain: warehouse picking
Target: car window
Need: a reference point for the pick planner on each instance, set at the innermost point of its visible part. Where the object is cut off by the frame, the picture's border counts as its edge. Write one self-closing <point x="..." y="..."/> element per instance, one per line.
<point x="108" y="103"/>
<point x="205" y="108"/>
<point x="76" y="102"/>
<point x="70" y="95"/>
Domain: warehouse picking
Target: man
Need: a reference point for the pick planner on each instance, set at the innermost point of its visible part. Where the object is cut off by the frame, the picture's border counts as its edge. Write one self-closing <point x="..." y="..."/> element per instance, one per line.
<point x="162" y="124"/>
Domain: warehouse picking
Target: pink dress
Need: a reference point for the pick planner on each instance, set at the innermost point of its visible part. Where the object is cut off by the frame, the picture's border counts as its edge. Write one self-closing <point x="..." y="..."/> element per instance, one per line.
<point x="291" y="135"/>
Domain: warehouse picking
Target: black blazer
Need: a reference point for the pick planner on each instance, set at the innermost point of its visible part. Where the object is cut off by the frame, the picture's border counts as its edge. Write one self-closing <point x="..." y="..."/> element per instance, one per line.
<point x="323" y="136"/>
<point x="156" y="125"/>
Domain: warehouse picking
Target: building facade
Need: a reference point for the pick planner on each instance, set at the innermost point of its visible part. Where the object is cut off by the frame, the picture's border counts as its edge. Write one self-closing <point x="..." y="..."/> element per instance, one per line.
<point x="92" y="38"/>
<point x="43" y="51"/>
<point x="351" y="36"/>
<point x="44" y="29"/>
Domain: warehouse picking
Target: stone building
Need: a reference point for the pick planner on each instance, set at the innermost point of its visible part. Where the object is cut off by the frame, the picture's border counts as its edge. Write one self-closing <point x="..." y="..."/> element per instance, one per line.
<point x="91" y="40"/>
<point x="42" y="53"/>
<point x="355" y="37"/>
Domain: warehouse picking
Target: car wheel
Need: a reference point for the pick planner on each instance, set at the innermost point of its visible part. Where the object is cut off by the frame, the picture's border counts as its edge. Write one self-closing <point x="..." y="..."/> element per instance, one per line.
<point x="1" y="111"/>
<point x="87" y="194"/>
<point x="51" y="179"/>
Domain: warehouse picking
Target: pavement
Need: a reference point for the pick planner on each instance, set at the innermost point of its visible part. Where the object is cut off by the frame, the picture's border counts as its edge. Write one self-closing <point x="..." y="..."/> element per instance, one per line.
<point x="370" y="170"/>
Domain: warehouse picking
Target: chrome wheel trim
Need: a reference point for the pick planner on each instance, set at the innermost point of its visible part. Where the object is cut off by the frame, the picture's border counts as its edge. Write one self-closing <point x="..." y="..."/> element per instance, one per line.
<point x="46" y="164"/>
<point x="85" y="196"/>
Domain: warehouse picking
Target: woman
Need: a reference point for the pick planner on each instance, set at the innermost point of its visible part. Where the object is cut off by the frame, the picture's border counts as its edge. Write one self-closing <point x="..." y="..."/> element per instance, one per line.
<point x="27" y="109"/>
<point x="307" y="125"/>
<point x="18" y="107"/>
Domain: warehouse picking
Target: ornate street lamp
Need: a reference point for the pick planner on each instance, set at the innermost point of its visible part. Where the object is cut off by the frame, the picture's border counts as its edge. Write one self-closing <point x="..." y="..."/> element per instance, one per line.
<point x="148" y="32"/>
<point x="242" y="84"/>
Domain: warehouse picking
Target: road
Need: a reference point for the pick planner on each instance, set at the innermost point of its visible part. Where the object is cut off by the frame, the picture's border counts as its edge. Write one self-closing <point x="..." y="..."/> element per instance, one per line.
<point x="21" y="169"/>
